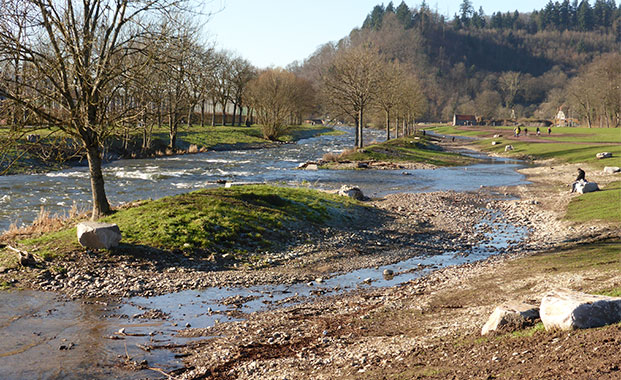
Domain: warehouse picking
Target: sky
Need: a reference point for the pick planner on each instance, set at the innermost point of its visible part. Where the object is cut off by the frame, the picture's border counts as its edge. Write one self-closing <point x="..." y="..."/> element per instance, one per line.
<point x="278" y="32"/>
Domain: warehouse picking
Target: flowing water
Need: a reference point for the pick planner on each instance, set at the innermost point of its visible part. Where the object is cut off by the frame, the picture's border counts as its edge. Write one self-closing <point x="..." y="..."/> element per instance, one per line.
<point x="22" y="196"/>
<point x="47" y="337"/>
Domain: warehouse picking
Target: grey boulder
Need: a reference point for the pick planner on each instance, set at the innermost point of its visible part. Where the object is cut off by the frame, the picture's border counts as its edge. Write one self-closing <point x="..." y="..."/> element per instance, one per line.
<point x="569" y="310"/>
<point x="98" y="235"/>
<point x="511" y="317"/>
<point x="351" y="192"/>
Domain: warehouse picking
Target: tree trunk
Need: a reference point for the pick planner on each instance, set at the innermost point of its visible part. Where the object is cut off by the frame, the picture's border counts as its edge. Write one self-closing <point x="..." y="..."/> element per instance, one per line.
<point x="241" y="111"/>
<point x="224" y="113"/>
<point x="234" y="113"/>
<point x="172" y="119"/>
<point x="213" y="113"/>
<point x="360" y="126"/>
<point x="356" y="134"/>
<point x="189" y="123"/>
<point x="100" y="201"/>
<point x="387" y="125"/>
<point x="397" y="127"/>
<point x="202" y="113"/>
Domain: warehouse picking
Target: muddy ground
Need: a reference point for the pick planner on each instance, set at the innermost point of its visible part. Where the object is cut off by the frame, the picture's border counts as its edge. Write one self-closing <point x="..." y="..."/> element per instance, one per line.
<point x="430" y="327"/>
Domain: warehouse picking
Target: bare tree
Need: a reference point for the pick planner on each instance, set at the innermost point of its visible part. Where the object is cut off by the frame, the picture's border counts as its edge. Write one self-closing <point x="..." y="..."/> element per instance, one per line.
<point x="241" y="73"/>
<point x="390" y="91"/>
<point x="275" y="94"/>
<point x="352" y="82"/>
<point x="510" y="85"/>
<point x="73" y="51"/>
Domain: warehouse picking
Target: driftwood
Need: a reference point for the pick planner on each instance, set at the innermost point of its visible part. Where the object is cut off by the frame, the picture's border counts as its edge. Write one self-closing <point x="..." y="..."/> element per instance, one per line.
<point x="26" y="259"/>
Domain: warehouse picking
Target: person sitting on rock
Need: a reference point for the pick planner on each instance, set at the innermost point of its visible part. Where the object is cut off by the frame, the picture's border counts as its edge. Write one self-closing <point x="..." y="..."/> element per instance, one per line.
<point x="579" y="178"/>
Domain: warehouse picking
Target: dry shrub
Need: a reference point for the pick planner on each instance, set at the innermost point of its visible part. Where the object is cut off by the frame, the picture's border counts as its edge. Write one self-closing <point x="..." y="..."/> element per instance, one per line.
<point x="193" y="148"/>
<point x="330" y="157"/>
<point x="347" y="152"/>
<point x="159" y="153"/>
<point x="169" y="152"/>
<point x="45" y="222"/>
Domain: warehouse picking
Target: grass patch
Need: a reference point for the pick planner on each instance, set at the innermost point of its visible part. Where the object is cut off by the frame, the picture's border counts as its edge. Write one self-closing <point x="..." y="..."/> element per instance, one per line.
<point x="565" y="144"/>
<point x="601" y="256"/>
<point x="408" y="149"/>
<point x="602" y="205"/>
<point x="612" y="292"/>
<point x="236" y="220"/>
<point x="529" y="331"/>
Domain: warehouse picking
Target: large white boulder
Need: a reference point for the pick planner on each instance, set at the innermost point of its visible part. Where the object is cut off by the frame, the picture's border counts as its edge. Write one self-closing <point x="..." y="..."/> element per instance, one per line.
<point x="98" y="235"/>
<point x="511" y="317"/>
<point x="612" y="169"/>
<point x="352" y="192"/>
<point x="583" y="187"/>
<point x="569" y="310"/>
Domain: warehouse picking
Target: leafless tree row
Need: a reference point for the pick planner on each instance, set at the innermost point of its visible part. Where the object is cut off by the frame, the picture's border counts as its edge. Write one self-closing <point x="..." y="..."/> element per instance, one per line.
<point x="359" y="81"/>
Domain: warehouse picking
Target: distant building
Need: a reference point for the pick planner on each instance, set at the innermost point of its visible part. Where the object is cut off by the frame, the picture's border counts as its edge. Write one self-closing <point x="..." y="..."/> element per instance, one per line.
<point x="464" y="120"/>
<point x="562" y="121"/>
<point x="314" y="121"/>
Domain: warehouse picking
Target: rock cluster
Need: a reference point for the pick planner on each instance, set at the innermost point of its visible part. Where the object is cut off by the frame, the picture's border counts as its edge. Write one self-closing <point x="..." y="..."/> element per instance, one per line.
<point x="559" y="310"/>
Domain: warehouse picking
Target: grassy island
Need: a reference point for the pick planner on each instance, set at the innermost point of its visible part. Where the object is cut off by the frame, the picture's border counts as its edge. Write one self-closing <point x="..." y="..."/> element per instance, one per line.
<point x="239" y="220"/>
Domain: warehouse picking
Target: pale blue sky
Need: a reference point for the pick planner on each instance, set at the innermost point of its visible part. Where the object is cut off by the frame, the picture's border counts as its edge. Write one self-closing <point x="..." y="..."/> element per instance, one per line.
<point x="278" y="32"/>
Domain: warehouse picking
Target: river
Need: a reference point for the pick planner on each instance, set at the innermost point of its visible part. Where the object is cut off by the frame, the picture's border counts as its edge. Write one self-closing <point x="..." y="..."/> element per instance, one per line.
<point x="45" y="336"/>
<point x="23" y="196"/>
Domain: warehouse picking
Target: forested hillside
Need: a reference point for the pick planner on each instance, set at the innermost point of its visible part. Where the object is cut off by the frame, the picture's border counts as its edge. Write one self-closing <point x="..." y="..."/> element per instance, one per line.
<point x="532" y="63"/>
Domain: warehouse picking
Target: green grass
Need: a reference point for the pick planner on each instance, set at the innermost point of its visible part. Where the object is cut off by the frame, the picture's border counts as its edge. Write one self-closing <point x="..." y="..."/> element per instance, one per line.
<point x="238" y="220"/>
<point x="604" y="205"/>
<point x="565" y="144"/>
<point x="529" y="331"/>
<point x="603" y="256"/>
<point x="613" y="292"/>
<point x="408" y="149"/>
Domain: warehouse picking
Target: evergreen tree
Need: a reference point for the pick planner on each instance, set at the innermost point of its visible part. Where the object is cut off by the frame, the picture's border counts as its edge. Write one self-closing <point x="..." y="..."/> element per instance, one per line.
<point x="374" y="19"/>
<point x="390" y="8"/>
<point x="466" y="11"/>
<point x="564" y="15"/>
<point x="404" y="15"/>
<point x="584" y="16"/>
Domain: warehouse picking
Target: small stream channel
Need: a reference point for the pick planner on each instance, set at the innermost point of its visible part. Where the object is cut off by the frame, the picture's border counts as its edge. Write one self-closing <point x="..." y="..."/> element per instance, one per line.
<point x="45" y="336"/>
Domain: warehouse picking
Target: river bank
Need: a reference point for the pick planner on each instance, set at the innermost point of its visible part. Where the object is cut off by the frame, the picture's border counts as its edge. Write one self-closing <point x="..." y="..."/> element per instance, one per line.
<point x="45" y="154"/>
<point x="426" y="327"/>
<point x="373" y="333"/>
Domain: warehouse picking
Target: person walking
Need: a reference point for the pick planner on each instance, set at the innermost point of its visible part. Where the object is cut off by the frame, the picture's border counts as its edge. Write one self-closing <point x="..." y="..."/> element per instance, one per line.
<point x="549" y="131"/>
<point x="538" y="131"/>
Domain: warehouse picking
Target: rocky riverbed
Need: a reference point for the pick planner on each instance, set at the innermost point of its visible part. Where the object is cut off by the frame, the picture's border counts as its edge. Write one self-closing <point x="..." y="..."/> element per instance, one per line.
<point x="392" y="229"/>
<point x="411" y="330"/>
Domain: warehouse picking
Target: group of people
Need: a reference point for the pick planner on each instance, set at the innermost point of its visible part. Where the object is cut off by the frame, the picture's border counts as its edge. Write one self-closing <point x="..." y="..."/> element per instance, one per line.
<point x="517" y="131"/>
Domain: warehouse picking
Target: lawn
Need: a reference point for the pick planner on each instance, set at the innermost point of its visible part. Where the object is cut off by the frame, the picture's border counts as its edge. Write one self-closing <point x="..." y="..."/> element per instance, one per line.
<point x="604" y="205"/>
<point x="565" y="144"/>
